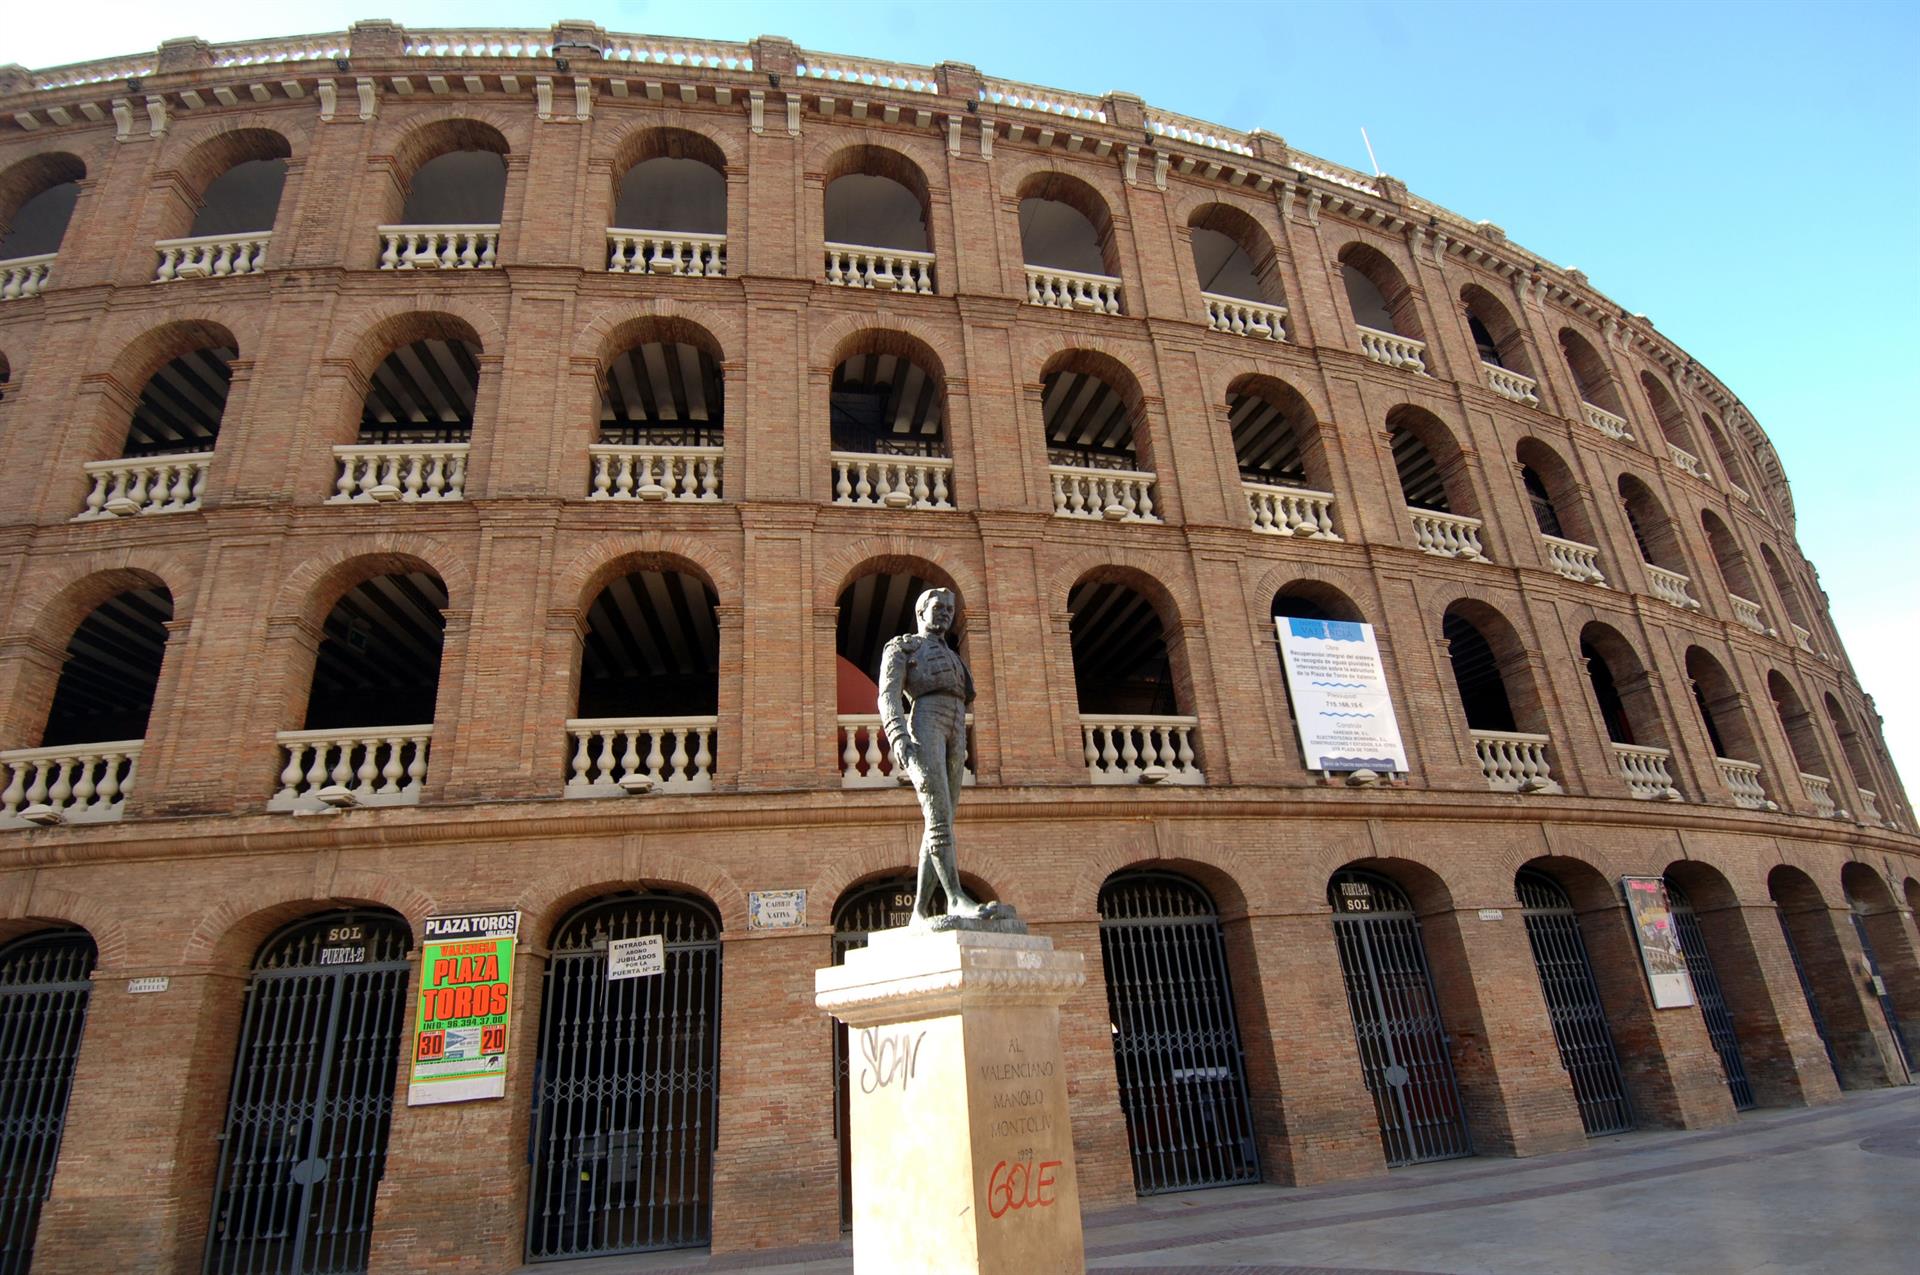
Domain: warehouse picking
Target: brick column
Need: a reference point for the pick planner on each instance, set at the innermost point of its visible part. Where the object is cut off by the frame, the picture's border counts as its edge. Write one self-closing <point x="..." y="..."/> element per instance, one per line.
<point x="1100" y="1150"/>
<point x="1830" y="954"/>
<point x="1890" y="931"/>
<point x="1786" y="1063"/>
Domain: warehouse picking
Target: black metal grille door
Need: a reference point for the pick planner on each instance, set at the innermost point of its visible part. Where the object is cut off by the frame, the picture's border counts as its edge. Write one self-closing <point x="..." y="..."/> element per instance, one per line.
<point x="305" y="1141"/>
<point x="44" y="981"/>
<point x="1806" y="991"/>
<point x="1573" y="1003"/>
<point x="1176" y="1044"/>
<point x="627" y="1092"/>
<point x="1396" y="1021"/>
<point x="880" y="905"/>
<point x="1880" y="990"/>
<point x="1713" y="1002"/>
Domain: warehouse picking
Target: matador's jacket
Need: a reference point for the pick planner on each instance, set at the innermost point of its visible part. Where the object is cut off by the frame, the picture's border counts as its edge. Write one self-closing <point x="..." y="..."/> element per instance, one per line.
<point x="918" y="668"/>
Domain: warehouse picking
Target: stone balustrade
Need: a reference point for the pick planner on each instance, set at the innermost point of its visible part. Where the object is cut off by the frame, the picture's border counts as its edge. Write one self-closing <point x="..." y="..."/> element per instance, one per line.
<point x="1447" y="535"/>
<point x="1290" y="511"/>
<point x="378" y="475"/>
<point x="438" y="247"/>
<point x="1803" y="638"/>
<point x="1646" y="773"/>
<point x="666" y="252"/>
<point x="1245" y="318"/>
<point x="645" y="472"/>
<point x="1743" y="779"/>
<point x="1740" y="493"/>
<point x="1514" y="762"/>
<point x="1071" y="290"/>
<point x="25" y="276"/>
<point x="1671" y="586"/>
<point x="1574" y="560"/>
<point x="75" y="783"/>
<point x="211" y="256"/>
<point x="1393" y="350"/>
<point x="1512" y="385"/>
<point x="1115" y="495"/>
<point x="1748" y="613"/>
<point x="367" y="766"/>
<point x="866" y="760"/>
<point x="1614" y="427"/>
<point x="1870" y="807"/>
<point x="883" y="269"/>
<point x="145" y="485"/>
<point x="892" y="482"/>
<point x="623" y="756"/>
<point x="1686" y="462"/>
<point x="1819" y="790"/>
<point x="1139" y="749"/>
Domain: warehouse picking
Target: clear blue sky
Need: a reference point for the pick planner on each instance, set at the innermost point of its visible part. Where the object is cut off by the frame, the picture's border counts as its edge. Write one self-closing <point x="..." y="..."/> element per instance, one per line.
<point x="1744" y="174"/>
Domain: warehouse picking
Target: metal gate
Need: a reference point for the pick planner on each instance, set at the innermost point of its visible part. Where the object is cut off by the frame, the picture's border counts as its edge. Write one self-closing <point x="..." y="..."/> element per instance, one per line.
<point x="1806" y="991"/>
<point x="1573" y="1003"/>
<point x="1880" y="991"/>
<point x="1404" y="1059"/>
<point x="305" y="1141"/>
<point x="44" y="981"/>
<point x="625" y="1095"/>
<point x="1713" y="1002"/>
<point x="1176" y="1044"/>
<point x="880" y="905"/>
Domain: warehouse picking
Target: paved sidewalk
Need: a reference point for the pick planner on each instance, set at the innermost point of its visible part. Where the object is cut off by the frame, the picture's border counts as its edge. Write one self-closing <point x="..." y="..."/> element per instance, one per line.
<point x="1827" y="1190"/>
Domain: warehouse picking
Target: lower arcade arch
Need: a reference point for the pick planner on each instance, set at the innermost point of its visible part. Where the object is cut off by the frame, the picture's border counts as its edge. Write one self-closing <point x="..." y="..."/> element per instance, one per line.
<point x="1888" y="953"/>
<point x="626" y="1091"/>
<point x="1177" y="1051"/>
<point x="311" y="1102"/>
<point x="45" y="981"/>
<point x="1581" y="1031"/>
<point x="1709" y="992"/>
<point x="1820" y="964"/>
<point x="1397" y="1026"/>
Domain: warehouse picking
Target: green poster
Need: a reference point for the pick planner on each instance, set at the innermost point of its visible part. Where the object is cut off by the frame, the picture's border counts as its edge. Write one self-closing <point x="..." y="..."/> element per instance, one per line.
<point x="466" y="998"/>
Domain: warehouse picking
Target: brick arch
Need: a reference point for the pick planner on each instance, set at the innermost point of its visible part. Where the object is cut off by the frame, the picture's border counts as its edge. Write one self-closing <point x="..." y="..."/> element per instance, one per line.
<point x="49" y="905"/>
<point x="228" y="934"/>
<point x="642" y="139"/>
<point x="1187" y="199"/>
<point x="1418" y="870"/>
<point x="1243" y="222"/>
<point x="1577" y="868"/>
<point x="1707" y="885"/>
<point x="549" y="899"/>
<point x="312" y="587"/>
<point x="610" y="557"/>
<point x="1015" y="179"/>
<point x="1390" y="268"/>
<point x="892" y="552"/>
<point x="1271" y="379"/>
<point x="981" y="872"/>
<point x="1221" y="872"/>
<point x="1443" y="440"/>
<point x="602" y="333"/>
<point x="833" y="341"/>
<point x="384" y="327"/>
<point x="35" y="175"/>
<point x="1173" y="600"/>
<point x="53" y="607"/>
<point x="151" y="349"/>
<point x="1340" y="581"/>
<point x="415" y="139"/>
<point x="200" y="154"/>
<point x="838" y="151"/>
<point x="1122" y="365"/>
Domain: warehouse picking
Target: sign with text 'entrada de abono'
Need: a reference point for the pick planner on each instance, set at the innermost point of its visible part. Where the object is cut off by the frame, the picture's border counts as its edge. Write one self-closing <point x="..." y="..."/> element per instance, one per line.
<point x="1340" y="700"/>
<point x="466" y="995"/>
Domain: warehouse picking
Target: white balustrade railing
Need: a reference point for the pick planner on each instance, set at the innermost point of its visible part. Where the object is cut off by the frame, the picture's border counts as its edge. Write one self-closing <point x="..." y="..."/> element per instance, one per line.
<point x="211" y="256"/>
<point x="1607" y="423"/>
<point x="1071" y="290"/>
<point x="1646" y="773"/>
<point x="1116" y="495"/>
<point x="1870" y="806"/>
<point x="1245" y="318"/>
<point x="666" y="252"/>
<point x="438" y="247"/>
<point x="1743" y="778"/>
<point x="892" y="482"/>
<point x="1671" y="586"/>
<point x="80" y="783"/>
<point x="1748" y="613"/>
<point x="1521" y="389"/>
<point x="1803" y="638"/>
<point x="1687" y="462"/>
<point x="1819" y="790"/>
<point x="24" y="276"/>
<point x="884" y="269"/>
<point x="1138" y="749"/>
<point x="1514" y="762"/>
<point x="1740" y="494"/>
<point x="147" y="485"/>
<point x="409" y="471"/>
<point x="1290" y="511"/>
<point x="371" y="766"/>
<point x="624" y="472"/>
<point x="1393" y="349"/>
<point x="1574" y="560"/>
<point x="616" y="756"/>
<point x="866" y="760"/>
<point x="1447" y="535"/>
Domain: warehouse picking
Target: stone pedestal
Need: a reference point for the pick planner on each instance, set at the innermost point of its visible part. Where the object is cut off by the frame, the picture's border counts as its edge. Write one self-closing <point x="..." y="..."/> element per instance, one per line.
<point x="962" y="1144"/>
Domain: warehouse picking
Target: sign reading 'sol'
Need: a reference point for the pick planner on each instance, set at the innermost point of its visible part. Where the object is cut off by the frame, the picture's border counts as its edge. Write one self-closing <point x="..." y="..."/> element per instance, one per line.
<point x="1340" y="698"/>
<point x="460" y="1020"/>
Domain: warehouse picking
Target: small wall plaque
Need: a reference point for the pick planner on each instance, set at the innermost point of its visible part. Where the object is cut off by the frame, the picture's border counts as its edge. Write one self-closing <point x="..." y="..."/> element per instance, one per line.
<point x="137" y="986"/>
<point x="1492" y="914"/>
<point x="776" y="909"/>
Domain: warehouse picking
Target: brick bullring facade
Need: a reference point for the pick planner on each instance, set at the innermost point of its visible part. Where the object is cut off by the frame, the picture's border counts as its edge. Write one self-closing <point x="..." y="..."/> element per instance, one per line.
<point x="450" y="472"/>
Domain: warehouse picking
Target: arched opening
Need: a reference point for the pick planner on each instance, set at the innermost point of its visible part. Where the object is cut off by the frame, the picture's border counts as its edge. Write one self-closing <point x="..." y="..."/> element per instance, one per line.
<point x="1593" y="380"/>
<point x="1653" y="530"/>
<point x="1434" y="484"/>
<point x="311" y="1103"/>
<point x="1700" y="937"/>
<point x="1722" y="712"/>
<point x="181" y="404"/>
<point x="111" y="671"/>
<point x="1238" y="273"/>
<point x="626" y="1096"/>
<point x="888" y="410"/>
<point x="1859" y="766"/>
<point x="649" y="689"/>
<point x="1806" y="929"/>
<point x="875" y="606"/>
<point x="1176" y="1042"/>
<point x="238" y="178"/>
<point x="1498" y="698"/>
<point x="1130" y="700"/>
<point x="1065" y="225"/>
<point x="37" y="197"/>
<point x="1560" y="511"/>
<point x="1893" y="973"/>
<point x="1311" y="600"/>
<point x="1497" y="338"/>
<point x="1724" y="450"/>
<point x="46" y="979"/>
<point x="1100" y="464"/>
<point x="1735" y="574"/>
<point x="1623" y="694"/>
<point x="878" y="214"/>
<point x="1572" y="994"/>
<point x="1803" y="742"/>
<point x="165" y="454"/>
<point x="1790" y="596"/>
<point x="416" y="419"/>
<point x="669" y="205"/>
<point x="662" y="415"/>
<point x="1282" y="459"/>
<point x="1673" y="425"/>
<point x="1379" y="293"/>
<point x="451" y="189"/>
<point x="1405" y="1056"/>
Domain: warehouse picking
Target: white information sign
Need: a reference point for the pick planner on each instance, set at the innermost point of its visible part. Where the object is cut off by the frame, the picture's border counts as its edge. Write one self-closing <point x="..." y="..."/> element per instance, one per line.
<point x="636" y="958"/>
<point x="141" y="986"/>
<point x="776" y="909"/>
<point x="1340" y="699"/>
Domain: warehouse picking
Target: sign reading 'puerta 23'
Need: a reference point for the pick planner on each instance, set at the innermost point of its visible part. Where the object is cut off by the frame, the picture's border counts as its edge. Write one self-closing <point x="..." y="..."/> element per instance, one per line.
<point x="1340" y="700"/>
